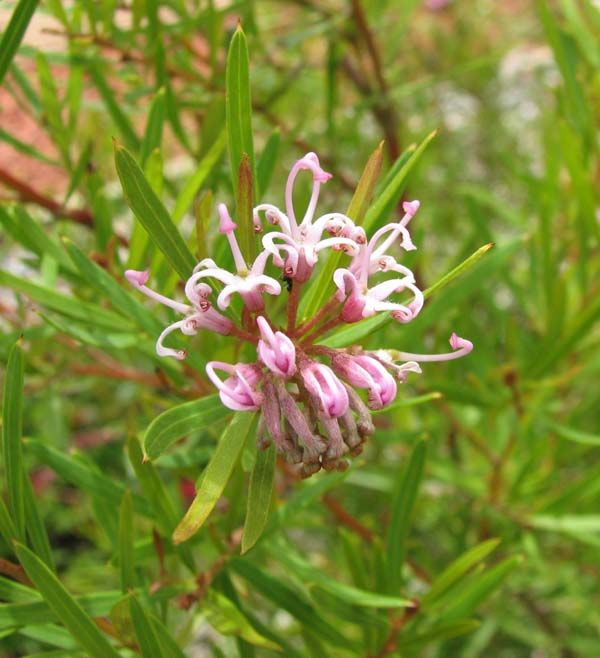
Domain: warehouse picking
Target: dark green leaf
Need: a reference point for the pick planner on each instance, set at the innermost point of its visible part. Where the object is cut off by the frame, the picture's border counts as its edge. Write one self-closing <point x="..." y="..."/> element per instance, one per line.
<point x="70" y="613"/>
<point x="13" y="33"/>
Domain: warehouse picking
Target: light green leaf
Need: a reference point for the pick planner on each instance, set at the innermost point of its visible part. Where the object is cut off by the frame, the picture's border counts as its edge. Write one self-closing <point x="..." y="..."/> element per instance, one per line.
<point x="193" y="184"/>
<point x="402" y="513"/>
<point x="353" y="595"/>
<point x="150" y="646"/>
<point x="389" y="196"/>
<point x="575" y="435"/>
<point x="12" y="428"/>
<point x="126" y="553"/>
<point x="13" y="33"/>
<point x="216" y="475"/>
<point x="290" y="600"/>
<point x="178" y="421"/>
<point x="154" y="126"/>
<point x="456" y="570"/>
<point x="70" y="613"/>
<point x="152" y="214"/>
<point x="259" y="497"/>
<point x="223" y="615"/>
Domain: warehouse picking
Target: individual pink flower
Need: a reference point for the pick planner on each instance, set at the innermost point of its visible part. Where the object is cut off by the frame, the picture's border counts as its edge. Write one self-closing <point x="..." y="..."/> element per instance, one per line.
<point x="367" y="372"/>
<point x="200" y="315"/>
<point x="322" y="383"/>
<point x="250" y="283"/>
<point x="461" y="347"/>
<point x="362" y="301"/>
<point x="296" y="246"/>
<point x="238" y="391"/>
<point x="276" y="350"/>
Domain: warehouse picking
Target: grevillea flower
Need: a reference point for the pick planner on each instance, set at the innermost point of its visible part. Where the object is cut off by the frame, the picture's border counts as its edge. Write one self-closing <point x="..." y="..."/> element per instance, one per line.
<point x="297" y="245"/>
<point x="306" y="393"/>
<point x="362" y="301"/>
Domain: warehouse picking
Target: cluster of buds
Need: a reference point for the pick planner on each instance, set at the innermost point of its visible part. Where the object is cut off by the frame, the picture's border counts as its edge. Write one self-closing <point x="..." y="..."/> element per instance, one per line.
<point x="305" y="391"/>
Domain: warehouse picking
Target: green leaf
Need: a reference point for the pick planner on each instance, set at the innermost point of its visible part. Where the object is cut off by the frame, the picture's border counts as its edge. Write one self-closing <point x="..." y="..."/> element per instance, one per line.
<point x="13" y="33"/>
<point x="100" y="280"/>
<point x="411" y="402"/>
<point x="154" y="126"/>
<point x="152" y="214"/>
<point x="70" y="613"/>
<point x="225" y="617"/>
<point x="216" y="475"/>
<point x="7" y="527"/>
<point x="465" y="601"/>
<point x="353" y="595"/>
<point x="193" y="184"/>
<point x="456" y="570"/>
<point x="119" y="117"/>
<point x="170" y="648"/>
<point x="575" y="523"/>
<point x="178" y="421"/>
<point x="12" y="428"/>
<point x="266" y="163"/>
<point x="36" y="530"/>
<point x="65" y="305"/>
<point x="150" y="646"/>
<point x="259" y="497"/>
<point x="389" y="196"/>
<point x="402" y="514"/>
<point x="361" y="199"/>
<point x="575" y="435"/>
<point x="83" y="476"/>
<point x="126" y="553"/>
<point x="238" y="106"/>
<point x="288" y="599"/>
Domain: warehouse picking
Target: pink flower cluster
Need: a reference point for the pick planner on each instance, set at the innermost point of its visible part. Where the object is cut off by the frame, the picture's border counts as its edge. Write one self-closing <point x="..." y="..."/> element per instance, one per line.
<point x="305" y="391"/>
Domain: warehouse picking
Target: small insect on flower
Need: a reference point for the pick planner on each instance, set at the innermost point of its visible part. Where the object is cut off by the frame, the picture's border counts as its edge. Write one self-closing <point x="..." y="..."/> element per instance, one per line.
<point x="306" y="392"/>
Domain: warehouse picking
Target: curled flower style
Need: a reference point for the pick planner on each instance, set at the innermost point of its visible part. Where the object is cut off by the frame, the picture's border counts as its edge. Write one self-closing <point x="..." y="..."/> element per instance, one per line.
<point x="315" y="402"/>
<point x="296" y="247"/>
<point x="200" y="315"/>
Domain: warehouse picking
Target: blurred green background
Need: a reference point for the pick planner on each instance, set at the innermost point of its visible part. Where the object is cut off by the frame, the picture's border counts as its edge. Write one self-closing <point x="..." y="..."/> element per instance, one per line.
<point x="511" y="433"/>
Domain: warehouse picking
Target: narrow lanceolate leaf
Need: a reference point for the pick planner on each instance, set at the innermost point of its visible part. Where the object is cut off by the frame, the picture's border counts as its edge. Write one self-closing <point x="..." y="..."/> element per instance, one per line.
<point x="259" y="497"/>
<point x="216" y="475"/>
<point x="456" y="570"/>
<point x="126" y="554"/>
<point x="225" y="617"/>
<point x="266" y="163"/>
<point x="7" y="527"/>
<point x="467" y="600"/>
<point x="576" y="435"/>
<point x="353" y="595"/>
<point x="193" y="184"/>
<point x="152" y="214"/>
<point x="154" y="126"/>
<point x="70" y="613"/>
<point x="238" y="106"/>
<point x="284" y="597"/>
<point x="402" y="514"/>
<point x="36" y="530"/>
<point x="149" y="643"/>
<point x="243" y="201"/>
<point x="363" y="194"/>
<point x="178" y="421"/>
<point x="323" y="284"/>
<point x="12" y="35"/>
<point x="12" y="427"/>
<point x="390" y="195"/>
